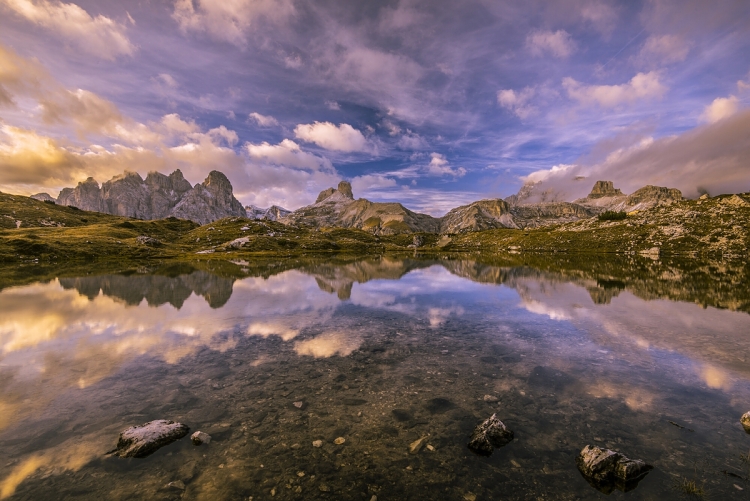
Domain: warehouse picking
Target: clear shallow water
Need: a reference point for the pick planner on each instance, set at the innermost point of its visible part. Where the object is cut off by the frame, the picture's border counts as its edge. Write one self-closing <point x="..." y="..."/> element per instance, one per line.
<point x="380" y="352"/>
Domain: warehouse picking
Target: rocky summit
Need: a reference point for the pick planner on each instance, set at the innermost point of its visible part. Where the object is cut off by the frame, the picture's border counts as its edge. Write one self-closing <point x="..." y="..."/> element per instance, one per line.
<point x="157" y="197"/>
<point x="337" y="207"/>
<point x="273" y="213"/>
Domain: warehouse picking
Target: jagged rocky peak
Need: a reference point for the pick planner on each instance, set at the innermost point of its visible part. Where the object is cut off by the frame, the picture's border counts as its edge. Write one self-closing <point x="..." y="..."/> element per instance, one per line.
<point x="604" y="189"/>
<point x="481" y="215"/>
<point x="345" y="188"/>
<point x="657" y="194"/>
<point x="344" y="191"/>
<point x="158" y="196"/>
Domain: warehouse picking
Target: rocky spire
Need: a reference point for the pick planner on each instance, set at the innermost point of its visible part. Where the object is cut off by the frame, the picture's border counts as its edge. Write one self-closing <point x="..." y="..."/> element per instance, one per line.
<point x="604" y="189"/>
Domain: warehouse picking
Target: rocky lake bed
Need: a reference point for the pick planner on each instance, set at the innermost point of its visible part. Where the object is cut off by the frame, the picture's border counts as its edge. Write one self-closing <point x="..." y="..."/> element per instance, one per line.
<point x="366" y="379"/>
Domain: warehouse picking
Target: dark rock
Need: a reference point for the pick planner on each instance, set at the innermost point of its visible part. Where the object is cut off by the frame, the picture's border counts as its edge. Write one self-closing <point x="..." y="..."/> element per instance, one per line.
<point x="607" y="470"/>
<point x="489" y="434"/>
<point x="144" y="440"/>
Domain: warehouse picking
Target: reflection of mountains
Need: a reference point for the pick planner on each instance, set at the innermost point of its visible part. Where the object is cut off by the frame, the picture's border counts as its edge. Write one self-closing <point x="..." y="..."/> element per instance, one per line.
<point x="155" y="289"/>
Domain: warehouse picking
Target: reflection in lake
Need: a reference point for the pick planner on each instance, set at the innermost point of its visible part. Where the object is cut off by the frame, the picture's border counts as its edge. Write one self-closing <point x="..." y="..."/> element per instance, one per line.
<point x="381" y="352"/>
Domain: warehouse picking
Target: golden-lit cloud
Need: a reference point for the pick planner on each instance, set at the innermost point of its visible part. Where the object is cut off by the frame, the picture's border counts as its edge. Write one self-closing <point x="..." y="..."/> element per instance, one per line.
<point x="720" y="108"/>
<point x="99" y="35"/>
<point x="342" y="137"/>
<point x="641" y="87"/>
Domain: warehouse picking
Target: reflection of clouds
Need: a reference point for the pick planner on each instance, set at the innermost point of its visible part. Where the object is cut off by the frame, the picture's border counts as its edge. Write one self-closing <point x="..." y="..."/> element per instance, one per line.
<point x="265" y="329"/>
<point x="631" y="327"/>
<point x="329" y="344"/>
<point x="636" y="398"/>
<point x="438" y="316"/>
<point x="715" y="378"/>
<point x="67" y="456"/>
<point x="53" y="340"/>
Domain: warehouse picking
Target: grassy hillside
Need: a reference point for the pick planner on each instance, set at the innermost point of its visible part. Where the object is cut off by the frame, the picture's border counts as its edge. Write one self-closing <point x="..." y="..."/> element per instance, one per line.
<point x="33" y="231"/>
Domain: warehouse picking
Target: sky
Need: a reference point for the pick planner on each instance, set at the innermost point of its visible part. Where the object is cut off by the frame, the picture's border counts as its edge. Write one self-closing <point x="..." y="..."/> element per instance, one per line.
<point x="431" y="103"/>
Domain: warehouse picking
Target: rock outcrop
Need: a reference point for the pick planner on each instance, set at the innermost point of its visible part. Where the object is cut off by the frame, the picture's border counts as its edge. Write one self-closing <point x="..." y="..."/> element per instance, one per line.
<point x="336" y="207"/>
<point x="745" y="420"/>
<point x="144" y="440"/>
<point x="157" y="197"/>
<point x="273" y="213"/>
<point x="489" y="434"/>
<point x="604" y="196"/>
<point x="42" y="197"/>
<point x="607" y="470"/>
<point x="477" y="216"/>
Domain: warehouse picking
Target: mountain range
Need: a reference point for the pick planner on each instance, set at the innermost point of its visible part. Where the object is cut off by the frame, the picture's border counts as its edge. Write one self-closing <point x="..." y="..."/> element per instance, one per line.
<point x="160" y="196"/>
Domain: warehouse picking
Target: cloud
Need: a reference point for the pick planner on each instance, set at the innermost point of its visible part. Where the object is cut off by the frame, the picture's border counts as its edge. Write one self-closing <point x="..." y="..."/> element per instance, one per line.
<point x="229" y="21"/>
<point x="664" y="49"/>
<point x="439" y="166"/>
<point x="329" y="344"/>
<point x="517" y="102"/>
<point x="289" y="154"/>
<point x="333" y="105"/>
<point x="363" y="184"/>
<point x="343" y="137"/>
<point x="18" y="76"/>
<point x="411" y="141"/>
<point x="558" y="43"/>
<point x="99" y="36"/>
<point x="263" y="120"/>
<point x="742" y="85"/>
<point x="601" y="15"/>
<point x="641" y="86"/>
<point x="720" y="108"/>
<point x="168" y="80"/>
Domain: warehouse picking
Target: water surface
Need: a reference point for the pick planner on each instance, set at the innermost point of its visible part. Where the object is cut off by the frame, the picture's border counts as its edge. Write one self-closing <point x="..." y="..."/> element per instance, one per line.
<point x="380" y="352"/>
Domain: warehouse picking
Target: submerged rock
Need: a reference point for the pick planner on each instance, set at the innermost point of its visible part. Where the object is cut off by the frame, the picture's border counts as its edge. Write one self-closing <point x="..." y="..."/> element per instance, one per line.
<point x="200" y="437"/>
<point x="489" y="434"/>
<point x="745" y="420"/>
<point x="607" y="470"/>
<point x="417" y="445"/>
<point x="141" y="441"/>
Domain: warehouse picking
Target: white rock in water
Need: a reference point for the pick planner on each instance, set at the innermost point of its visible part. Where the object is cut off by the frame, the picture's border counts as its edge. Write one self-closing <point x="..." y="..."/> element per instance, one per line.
<point x="339" y="441"/>
<point x="141" y="441"/>
<point x="417" y="445"/>
<point x="317" y="443"/>
<point x="199" y="438"/>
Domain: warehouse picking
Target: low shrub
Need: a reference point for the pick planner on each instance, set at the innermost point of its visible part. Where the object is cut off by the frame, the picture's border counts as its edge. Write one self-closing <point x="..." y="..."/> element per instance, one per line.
<point x="611" y="215"/>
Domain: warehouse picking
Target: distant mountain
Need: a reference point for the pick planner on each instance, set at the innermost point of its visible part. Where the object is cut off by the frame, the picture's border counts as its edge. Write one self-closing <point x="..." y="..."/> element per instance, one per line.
<point x="157" y="197"/>
<point x="337" y="207"/>
<point x="273" y="213"/>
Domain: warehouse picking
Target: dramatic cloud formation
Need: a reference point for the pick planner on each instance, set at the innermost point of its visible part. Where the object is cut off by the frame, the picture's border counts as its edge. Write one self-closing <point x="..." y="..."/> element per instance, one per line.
<point x="558" y="43"/>
<point x="99" y="36"/>
<point x="641" y="86"/>
<point x="435" y="101"/>
<point x="343" y="137"/>
<point x="711" y="157"/>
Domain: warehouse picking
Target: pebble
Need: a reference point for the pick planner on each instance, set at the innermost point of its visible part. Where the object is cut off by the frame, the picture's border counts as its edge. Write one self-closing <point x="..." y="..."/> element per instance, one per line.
<point x="300" y="474"/>
<point x="430" y="448"/>
<point x="199" y="438"/>
<point x="295" y="446"/>
<point x="417" y="445"/>
<point x="298" y="404"/>
<point x="317" y="443"/>
<point x="515" y="463"/>
<point x="324" y="488"/>
<point x="738" y="487"/>
<point x="374" y="498"/>
<point x="470" y="496"/>
<point x="490" y="399"/>
<point x="339" y="441"/>
<point x="177" y="484"/>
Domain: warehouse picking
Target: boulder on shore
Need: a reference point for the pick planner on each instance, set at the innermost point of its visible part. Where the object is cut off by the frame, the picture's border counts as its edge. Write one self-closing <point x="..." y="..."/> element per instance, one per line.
<point x="607" y="470"/>
<point x="489" y="434"/>
<point x="144" y="440"/>
<point x="745" y="420"/>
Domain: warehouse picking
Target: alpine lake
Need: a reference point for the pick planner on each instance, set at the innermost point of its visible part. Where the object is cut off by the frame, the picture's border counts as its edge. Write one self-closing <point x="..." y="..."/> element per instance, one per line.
<point x="316" y="379"/>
